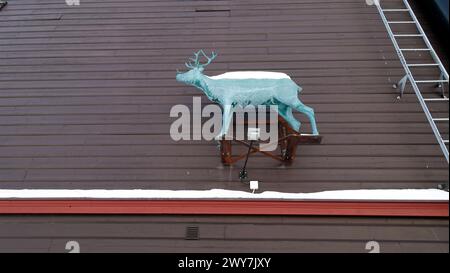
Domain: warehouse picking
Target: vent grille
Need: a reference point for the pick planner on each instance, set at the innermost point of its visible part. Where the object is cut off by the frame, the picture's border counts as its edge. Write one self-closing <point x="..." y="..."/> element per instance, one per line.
<point x="192" y="233"/>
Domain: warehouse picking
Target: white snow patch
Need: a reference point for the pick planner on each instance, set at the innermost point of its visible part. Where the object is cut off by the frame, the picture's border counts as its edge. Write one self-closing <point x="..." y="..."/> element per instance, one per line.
<point x="357" y="195"/>
<point x="250" y="75"/>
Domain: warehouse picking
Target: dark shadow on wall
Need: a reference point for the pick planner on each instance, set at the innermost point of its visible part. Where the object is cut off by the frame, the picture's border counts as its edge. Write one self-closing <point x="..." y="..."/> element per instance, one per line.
<point x="437" y="12"/>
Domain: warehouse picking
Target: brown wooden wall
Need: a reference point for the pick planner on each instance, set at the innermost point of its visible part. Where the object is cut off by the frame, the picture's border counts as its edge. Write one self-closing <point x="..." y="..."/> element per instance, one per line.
<point x="221" y="234"/>
<point x="85" y="94"/>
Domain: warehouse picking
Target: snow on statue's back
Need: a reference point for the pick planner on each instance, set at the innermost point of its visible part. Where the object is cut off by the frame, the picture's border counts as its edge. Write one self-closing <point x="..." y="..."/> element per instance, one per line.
<point x="244" y="88"/>
<point x="241" y="75"/>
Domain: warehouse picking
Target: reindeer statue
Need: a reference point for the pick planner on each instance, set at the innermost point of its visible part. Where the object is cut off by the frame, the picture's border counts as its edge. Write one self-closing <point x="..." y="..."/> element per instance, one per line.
<point x="234" y="89"/>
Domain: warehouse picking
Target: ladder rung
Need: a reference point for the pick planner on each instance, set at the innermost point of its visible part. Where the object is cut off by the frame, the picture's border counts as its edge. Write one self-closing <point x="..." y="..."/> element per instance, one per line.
<point x="401" y="22"/>
<point x="432" y="81"/>
<point x="395" y="10"/>
<point x="415" y="49"/>
<point x="445" y="140"/>
<point x="408" y="35"/>
<point x="436" y="99"/>
<point x="414" y="65"/>
<point x="440" y="119"/>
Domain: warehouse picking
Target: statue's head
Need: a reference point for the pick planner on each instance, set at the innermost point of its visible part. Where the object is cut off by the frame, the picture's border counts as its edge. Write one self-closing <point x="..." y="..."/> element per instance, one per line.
<point x="195" y="68"/>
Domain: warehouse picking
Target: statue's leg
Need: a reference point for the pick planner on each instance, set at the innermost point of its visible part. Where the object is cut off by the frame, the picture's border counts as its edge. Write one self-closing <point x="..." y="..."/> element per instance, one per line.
<point x="286" y="112"/>
<point x="227" y="116"/>
<point x="295" y="124"/>
<point x="308" y="111"/>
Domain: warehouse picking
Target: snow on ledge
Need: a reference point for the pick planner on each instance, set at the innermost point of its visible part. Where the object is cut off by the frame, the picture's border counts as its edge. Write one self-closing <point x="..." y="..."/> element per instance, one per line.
<point x="239" y="75"/>
<point x="351" y="195"/>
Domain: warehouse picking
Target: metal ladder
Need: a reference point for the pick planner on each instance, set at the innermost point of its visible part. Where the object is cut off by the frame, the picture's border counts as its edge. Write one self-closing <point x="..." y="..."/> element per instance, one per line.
<point x="407" y="66"/>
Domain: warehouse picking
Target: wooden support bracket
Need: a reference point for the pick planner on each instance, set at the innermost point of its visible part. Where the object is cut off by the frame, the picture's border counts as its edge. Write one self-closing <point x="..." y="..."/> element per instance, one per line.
<point x="288" y="141"/>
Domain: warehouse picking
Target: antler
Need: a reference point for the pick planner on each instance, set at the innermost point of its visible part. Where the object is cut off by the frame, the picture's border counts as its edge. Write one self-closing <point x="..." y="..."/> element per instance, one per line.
<point x="210" y="59"/>
<point x="196" y="61"/>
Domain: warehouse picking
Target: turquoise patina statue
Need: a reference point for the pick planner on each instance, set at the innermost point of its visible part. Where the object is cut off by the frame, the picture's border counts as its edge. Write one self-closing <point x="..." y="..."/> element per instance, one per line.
<point x="235" y="89"/>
